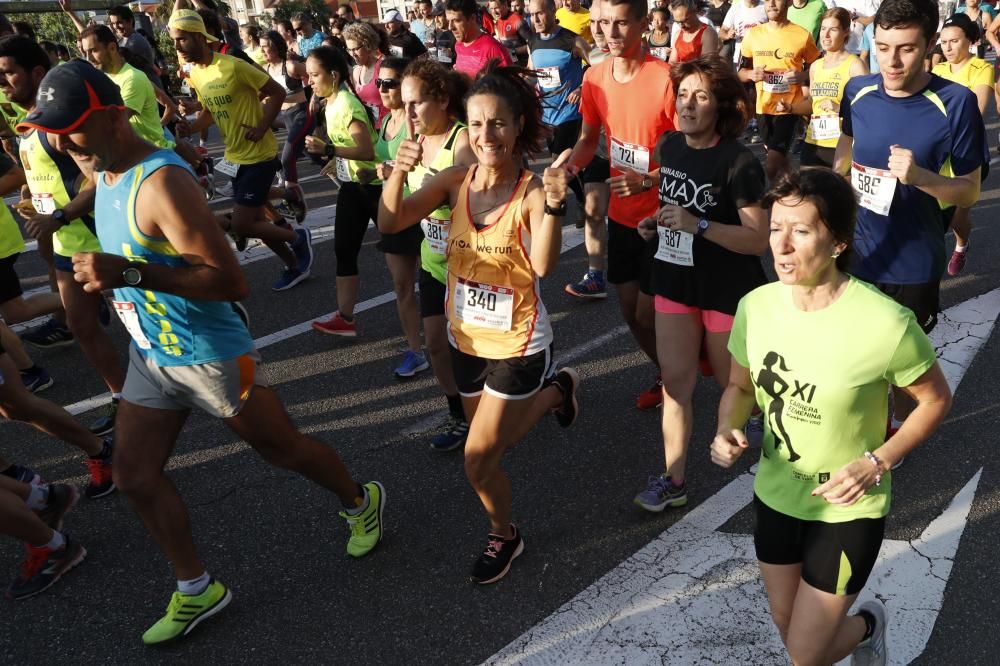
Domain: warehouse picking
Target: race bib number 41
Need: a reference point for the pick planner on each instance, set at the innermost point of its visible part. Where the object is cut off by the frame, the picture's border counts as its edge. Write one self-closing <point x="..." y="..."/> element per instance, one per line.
<point x="825" y="128"/>
<point x="484" y="305"/>
<point x="629" y="156"/>
<point x="874" y="187"/>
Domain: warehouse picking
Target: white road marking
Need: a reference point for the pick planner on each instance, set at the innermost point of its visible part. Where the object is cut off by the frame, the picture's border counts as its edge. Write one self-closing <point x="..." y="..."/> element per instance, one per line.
<point x="694" y="594"/>
<point x="571" y="238"/>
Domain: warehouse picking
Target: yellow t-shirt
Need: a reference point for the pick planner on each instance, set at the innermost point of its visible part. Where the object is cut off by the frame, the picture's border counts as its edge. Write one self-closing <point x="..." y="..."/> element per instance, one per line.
<point x="827" y="83"/>
<point x="778" y="49"/>
<point x="228" y="87"/>
<point x="578" y="22"/>
<point x="975" y="72"/>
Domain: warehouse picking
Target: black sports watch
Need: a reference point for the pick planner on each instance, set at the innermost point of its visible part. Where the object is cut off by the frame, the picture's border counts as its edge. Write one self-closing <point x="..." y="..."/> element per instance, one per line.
<point x="558" y="211"/>
<point x="59" y="215"/>
<point x="132" y="275"/>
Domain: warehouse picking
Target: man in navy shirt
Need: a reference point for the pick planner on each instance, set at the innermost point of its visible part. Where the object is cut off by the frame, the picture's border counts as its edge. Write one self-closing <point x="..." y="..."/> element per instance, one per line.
<point x="913" y="146"/>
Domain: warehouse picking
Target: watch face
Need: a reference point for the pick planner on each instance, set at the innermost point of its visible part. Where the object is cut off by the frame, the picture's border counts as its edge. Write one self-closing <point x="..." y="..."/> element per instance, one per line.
<point x="132" y="276"/>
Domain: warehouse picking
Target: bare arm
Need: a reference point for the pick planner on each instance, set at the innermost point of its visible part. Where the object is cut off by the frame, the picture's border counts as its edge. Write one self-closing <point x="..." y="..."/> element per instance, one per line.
<point x="363" y="148"/>
<point x="67" y="8"/>
<point x="396" y="213"/>
<point x="709" y="42"/>
<point x="843" y="155"/>
<point x="12" y="180"/>
<point x="983" y="95"/>
<point x="546" y="230"/>
<point x="167" y="102"/>
<point x="585" y="148"/>
<point x="275" y="97"/>
<point x="737" y="402"/>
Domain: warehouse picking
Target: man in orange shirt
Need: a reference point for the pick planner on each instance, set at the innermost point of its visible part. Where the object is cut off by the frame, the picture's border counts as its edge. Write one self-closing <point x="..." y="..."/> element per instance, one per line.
<point x="776" y="56"/>
<point x="632" y="125"/>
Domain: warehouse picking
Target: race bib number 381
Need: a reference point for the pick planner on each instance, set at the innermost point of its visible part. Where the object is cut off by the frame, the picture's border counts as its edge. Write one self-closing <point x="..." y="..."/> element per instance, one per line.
<point x="484" y="305"/>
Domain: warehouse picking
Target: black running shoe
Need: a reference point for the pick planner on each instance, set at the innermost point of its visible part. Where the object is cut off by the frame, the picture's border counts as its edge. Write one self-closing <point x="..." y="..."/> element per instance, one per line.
<point x="495" y="561"/>
<point x="50" y="334"/>
<point x="62" y="498"/>
<point x="104" y="424"/>
<point x="43" y="567"/>
<point x="567" y="380"/>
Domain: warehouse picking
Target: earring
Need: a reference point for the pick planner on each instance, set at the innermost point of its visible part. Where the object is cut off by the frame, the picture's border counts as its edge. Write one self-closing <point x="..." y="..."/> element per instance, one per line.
<point x="835" y="255"/>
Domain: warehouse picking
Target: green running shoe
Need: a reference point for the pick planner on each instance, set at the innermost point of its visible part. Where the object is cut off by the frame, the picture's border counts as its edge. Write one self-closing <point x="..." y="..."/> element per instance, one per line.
<point x="366" y="527"/>
<point x="186" y="611"/>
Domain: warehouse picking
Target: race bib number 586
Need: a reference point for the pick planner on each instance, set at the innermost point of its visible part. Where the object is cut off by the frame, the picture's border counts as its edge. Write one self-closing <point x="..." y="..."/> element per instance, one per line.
<point x="874" y="187"/>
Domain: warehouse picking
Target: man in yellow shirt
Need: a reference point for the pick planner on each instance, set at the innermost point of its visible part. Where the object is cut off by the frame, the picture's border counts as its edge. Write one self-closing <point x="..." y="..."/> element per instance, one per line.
<point x="230" y="91"/>
<point x="776" y="56"/>
<point x="575" y="18"/>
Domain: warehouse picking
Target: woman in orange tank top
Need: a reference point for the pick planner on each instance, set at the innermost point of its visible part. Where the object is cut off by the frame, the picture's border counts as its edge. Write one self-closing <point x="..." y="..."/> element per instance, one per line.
<point x="504" y="234"/>
<point x="695" y="37"/>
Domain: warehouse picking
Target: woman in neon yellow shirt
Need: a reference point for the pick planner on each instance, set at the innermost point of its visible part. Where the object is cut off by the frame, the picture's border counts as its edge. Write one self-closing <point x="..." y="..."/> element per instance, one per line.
<point x="823" y="486"/>
<point x="958" y="34"/>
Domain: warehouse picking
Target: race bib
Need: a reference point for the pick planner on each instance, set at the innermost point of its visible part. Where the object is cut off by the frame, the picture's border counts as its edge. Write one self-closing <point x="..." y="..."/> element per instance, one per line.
<point x="484" y="305"/>
<point x="185" y="87"/>
<point x="396" y="51"/>
<point x="128" y="315"/>
<point x="343" y="173"/>
<point x="629" y="156"/>
<point x="661" y="52"/>
<point x="974" y="49"/>
<point x="675" y="247"/>
<point x="548" y="77"/>
<point x="825" y="127"/>
<point x="44" y="203"/>
<point x="227" y="167"/>
<point x="774" y="82"/>
<point x="375" y="109"/>
<point x="874" y="187"/>
<point x="443" y="56"/>
<point x="436" y="233"/>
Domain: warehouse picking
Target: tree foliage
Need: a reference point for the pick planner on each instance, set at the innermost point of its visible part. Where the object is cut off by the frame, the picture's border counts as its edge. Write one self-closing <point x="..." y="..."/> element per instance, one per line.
<point x="53" y="26"/>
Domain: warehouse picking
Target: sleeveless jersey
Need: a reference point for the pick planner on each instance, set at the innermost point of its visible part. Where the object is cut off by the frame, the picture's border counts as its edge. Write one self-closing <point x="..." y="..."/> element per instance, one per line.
<point x="824" y="126"/>
<point x="385" y="148"/>
<point x="169" y="330"/>
<point x="368" y="92"/>
<point x="559" y="74"/>
<point x="494" y="303"/>
<point x="660" y="51"/>
<point x="434" y="248"/>
<point x="690" y="50"/>
<point x="54" y="179"/>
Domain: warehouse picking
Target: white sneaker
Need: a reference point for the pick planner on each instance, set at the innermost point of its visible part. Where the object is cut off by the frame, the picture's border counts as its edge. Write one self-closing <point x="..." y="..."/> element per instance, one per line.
<point x="224" y="190"/>
<point x="874" y="651"/>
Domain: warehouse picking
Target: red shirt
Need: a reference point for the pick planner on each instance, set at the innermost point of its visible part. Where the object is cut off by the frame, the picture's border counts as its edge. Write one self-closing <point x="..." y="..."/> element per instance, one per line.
<point x="472" y="58"/>
<point x="642" y="112"/>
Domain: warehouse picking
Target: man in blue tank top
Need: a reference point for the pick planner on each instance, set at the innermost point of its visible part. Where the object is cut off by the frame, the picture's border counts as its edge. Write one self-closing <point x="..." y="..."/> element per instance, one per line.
<point x="174" y="277"/>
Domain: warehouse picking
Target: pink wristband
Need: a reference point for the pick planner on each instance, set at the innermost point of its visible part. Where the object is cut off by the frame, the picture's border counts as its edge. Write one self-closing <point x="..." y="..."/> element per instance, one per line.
<point x="878" y="466"/>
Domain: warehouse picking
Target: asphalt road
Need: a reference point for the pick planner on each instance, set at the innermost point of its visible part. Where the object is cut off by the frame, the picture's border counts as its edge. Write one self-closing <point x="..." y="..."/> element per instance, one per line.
<point x="277" y="541"/>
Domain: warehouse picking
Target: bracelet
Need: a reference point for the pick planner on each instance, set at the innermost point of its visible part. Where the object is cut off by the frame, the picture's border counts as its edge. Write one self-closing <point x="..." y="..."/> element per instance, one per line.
<point x="878" y="466"/>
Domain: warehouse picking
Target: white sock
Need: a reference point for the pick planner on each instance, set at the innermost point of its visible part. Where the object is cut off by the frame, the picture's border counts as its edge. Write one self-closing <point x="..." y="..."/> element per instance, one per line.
<point x="364" y="505"/>
<point x="57" y="541"/>
<point x="961" y="248"/>
<point x="38" y="498"/>
<point x="195" y="586"/>
<point x="116" y="396"/>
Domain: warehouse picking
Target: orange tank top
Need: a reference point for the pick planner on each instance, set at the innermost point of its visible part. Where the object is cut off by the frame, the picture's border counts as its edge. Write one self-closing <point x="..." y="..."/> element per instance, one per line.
<point x="689" y="50"/>
<point x="494" y="303"/>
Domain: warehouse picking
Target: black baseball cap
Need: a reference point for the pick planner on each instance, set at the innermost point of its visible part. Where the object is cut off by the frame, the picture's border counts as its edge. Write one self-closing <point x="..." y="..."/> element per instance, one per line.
<point x="68" y="95"/>
<point x="964" y="23"/>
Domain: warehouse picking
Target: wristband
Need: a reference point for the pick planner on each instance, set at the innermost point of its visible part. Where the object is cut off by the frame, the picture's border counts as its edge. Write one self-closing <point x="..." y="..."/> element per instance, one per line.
<point x="557" y="211"/>
<point x="330" y="150"/>
<point x="878" y="466"/>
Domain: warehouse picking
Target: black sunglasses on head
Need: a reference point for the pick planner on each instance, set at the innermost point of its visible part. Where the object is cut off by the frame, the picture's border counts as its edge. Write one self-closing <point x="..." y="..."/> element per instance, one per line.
<point x="386" y="84"/>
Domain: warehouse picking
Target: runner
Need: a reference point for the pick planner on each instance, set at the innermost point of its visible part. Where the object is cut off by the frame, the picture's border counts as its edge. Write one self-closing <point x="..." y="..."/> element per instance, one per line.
<point x="862" y="15"/>
<point x="61" y="208"/>
<point x="402" y="42"/>
<point x="895" y="145"/>
<point x="433" y="103"/>
<point x="250" y="35"/>
<point x="575" y="18"/>
<point x="511" y="30"/>
<point x="34" y="515"/>
<point x="402" y="250"/>
<point x="708" y="250"/>
<point x="827" y="78"/>
<point x="632" y="126"/>
<point x="774" y="55"/>
<point x="174" y="257"/>
<point x="695" y="37"/>
<point x="956" y="38"/>
<point x="503" y="361"/>
<point x="423" y="26"/>
<point x="596" y="193"/>
<point x="742" y="16"/>
<point x="351" y="150"/>
<point x="444" y="38"/>
<point x="808" y="14"/>
<point x="307" y="37"/>
<point x="822" y="490"/>
<point x="558" y="56"/>
<point x="473" y="48"/>
<point x="362" y="45"/>
<point x="295" y="116"/>
<point x="658" y="39"/>
<point x="230" y="91"/>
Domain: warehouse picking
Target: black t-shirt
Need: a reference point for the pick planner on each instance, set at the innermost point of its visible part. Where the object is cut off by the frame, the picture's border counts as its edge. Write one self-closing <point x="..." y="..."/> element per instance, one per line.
<point x="717" y="14"/>
<point x="406" y="45"/>
<point x="710" y="183"/>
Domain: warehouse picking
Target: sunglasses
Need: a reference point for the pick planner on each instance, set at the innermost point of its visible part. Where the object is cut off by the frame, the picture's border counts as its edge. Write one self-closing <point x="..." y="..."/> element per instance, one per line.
<point x="387" y="84"/>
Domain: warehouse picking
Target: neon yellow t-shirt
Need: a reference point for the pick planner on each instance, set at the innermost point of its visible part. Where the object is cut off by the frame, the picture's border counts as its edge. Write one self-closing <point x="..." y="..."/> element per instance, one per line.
<point x="228" y="87"/>
<point x="822" y="382"/>
<point x="578" y="22"/>
<point x="139" y="96"/>
<point x="340" y="112"/>
<point x="11" y="240"/>
<point x="12" y="113"/>
<point x="975" y="72"/>
<point x="257" y="55"/>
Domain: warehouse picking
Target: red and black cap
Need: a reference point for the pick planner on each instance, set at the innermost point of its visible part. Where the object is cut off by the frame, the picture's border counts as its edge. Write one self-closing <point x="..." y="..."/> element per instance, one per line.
<point x="68" y="95"/>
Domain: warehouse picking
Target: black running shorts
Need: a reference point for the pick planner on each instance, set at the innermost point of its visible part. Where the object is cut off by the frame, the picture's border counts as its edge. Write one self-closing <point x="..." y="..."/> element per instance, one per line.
<point x="509" y="378"/>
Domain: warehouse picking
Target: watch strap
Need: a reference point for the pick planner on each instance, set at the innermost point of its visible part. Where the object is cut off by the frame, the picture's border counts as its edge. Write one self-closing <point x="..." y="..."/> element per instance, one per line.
<point x="558" y="211"/>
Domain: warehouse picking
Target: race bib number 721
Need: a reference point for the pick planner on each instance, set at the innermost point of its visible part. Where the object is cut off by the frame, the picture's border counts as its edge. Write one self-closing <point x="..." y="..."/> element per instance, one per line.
<point x="629" y="156"/>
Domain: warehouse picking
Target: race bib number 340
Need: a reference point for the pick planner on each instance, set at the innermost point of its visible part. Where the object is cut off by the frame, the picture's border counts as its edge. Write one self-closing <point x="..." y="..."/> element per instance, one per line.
<point x="874" y="187"/>
<point x="484" y="305"/>
<point x="629" y="156"/>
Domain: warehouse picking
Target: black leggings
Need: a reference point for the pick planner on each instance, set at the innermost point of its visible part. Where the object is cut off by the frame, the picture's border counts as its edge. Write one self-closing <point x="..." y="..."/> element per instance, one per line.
<point x="298" y="122"/>
<point x="356" y="205"/>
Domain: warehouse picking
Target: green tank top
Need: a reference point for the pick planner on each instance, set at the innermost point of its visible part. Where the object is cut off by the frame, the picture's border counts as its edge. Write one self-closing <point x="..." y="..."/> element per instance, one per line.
<point x="11" y="240"/>
<point x="385" y="149"/>
<point x="54" y="180"/>
<point x="433" y="255"/>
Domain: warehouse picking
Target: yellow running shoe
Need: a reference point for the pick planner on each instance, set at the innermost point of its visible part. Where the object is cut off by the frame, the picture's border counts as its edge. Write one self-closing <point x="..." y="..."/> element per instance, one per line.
<point x="186" y="611"/>
<point x="366" y="527"/>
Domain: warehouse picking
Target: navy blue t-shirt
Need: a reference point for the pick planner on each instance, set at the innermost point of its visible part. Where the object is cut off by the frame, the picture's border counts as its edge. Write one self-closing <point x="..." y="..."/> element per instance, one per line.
<point x="942" y="125"/>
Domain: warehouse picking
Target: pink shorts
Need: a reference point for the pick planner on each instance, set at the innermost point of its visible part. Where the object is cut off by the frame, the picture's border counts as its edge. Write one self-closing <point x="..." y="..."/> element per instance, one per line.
<point x="713" y="320"/>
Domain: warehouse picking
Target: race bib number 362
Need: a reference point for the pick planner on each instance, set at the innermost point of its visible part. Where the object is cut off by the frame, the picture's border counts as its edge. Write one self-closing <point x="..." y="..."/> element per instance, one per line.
<point x="774" y="82"/>
<point x="874" y="187"/>
<point x="484" y="305"/>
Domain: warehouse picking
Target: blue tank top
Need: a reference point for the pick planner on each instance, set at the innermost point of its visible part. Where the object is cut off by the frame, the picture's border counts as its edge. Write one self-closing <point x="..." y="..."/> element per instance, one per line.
<point x="167" y="329"/>
<point x="559" y="74"/>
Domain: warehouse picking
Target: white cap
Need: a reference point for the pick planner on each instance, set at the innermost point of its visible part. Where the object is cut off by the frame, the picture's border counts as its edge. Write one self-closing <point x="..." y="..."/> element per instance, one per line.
<point x="392" y="15"/>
